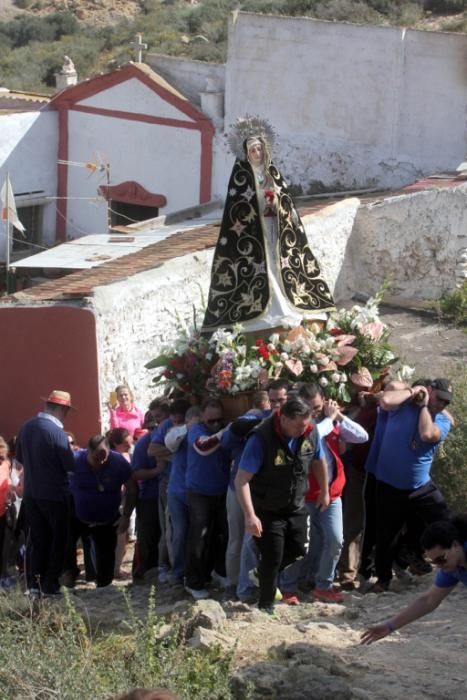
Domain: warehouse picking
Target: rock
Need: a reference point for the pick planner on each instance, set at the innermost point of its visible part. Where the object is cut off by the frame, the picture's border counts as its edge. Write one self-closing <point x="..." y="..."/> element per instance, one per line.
<point x="207" y="614"/>
<point x="264" y="677"/>
<point x="205" y="639"/>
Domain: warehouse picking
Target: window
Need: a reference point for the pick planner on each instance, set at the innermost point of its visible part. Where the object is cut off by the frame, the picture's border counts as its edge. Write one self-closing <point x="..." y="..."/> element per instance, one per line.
<point x="124" y="214"/>
<point x="31" y="218"/>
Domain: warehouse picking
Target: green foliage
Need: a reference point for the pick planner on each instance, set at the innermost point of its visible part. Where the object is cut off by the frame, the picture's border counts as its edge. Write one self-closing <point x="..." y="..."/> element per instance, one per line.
<point x="49" y="653"/>
<point x="453" y="305"/>
<point x="163" y="23"/>
<point x="450" y="464"/>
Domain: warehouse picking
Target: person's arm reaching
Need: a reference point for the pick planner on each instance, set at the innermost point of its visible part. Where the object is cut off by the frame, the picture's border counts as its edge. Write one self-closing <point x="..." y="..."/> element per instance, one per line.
<point x="421" y="606"/>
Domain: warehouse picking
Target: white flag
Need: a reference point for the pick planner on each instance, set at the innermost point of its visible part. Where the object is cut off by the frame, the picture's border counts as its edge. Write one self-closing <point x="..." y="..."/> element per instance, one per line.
<point x="9" y="212"/>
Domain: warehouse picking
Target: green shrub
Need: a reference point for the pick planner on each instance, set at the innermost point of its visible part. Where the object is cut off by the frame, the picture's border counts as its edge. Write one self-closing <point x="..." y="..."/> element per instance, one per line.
<point x="453" y="305"/>
<point x="450" y="464"/>
<point x="49" y="653"/>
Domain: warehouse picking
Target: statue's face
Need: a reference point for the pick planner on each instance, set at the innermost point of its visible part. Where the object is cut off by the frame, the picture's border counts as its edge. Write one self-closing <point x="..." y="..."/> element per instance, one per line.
<point x="256" y="154"/>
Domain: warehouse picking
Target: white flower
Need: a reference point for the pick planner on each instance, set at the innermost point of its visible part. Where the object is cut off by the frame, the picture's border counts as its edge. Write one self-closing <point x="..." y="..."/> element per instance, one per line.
<point x="343" y="377"/>
<point x="314" y="369"/>
<point x="274" y="339"/>
<point x="284" y="356"/>
<point x="405" y="372"/>
<point x="208" y="356"/>
<point x="179" y="376"/>
<point x="241" y="350"/>
<point x="323" y="381"/>
<point x="323" y="361"/>
<point x="336" y="377"/>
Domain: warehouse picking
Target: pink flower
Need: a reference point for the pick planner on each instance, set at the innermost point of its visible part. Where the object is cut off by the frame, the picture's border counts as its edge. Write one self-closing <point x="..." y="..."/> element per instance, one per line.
<point x="295" y="367"/>
<point x="346" y="354"/>
<point x="362" y="379"/>
<point x="374" y="330"/>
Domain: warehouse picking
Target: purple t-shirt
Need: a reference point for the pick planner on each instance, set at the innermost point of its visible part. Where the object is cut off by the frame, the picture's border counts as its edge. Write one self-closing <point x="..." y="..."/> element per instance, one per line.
<point x="97" y="493"/>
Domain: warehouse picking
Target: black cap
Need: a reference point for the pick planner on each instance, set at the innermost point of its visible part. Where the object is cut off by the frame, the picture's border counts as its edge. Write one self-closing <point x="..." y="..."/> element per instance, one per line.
<point x="443" y="389"/>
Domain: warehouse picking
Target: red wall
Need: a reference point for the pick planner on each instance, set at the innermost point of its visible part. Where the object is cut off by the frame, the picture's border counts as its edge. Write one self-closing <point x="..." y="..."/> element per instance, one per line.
<point x="45" y="348"/>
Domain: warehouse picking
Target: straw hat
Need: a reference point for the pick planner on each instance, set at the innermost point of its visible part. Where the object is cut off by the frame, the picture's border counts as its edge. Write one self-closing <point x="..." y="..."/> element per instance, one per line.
<point x="61" y="398"/>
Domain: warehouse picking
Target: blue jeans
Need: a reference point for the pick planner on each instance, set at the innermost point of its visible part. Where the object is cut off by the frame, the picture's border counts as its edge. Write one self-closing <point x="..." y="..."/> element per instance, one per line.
<point x="326" y="539"/>
<point x="236" y="522"/>
<point x="248" y="562"/>
<point x="178" y="510"/>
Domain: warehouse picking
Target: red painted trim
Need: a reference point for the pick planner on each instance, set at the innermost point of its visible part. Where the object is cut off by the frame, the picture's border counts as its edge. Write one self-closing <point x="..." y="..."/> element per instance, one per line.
<point x="93" y="86"/>
<point x="62" y="175"/>
<point x="132" y="192"/>
<point x="205" y="166"/>
<point x="134" y="116"/>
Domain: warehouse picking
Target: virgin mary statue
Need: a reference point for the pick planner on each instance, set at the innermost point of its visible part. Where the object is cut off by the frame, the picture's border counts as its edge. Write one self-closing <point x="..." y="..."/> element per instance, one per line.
<point x="264" y="274"/>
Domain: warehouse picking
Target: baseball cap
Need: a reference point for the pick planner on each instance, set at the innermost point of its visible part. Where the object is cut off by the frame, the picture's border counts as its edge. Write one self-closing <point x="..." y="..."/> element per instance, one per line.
<point x="443" y="388"/>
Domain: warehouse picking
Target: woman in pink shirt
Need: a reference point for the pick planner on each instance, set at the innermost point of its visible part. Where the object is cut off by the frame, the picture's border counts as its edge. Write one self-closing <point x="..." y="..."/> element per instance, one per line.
<point x="125" y="414"/>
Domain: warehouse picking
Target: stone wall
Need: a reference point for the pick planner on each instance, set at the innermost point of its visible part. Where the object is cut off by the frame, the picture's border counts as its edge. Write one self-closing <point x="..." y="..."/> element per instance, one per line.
<point x="416" y="241"/>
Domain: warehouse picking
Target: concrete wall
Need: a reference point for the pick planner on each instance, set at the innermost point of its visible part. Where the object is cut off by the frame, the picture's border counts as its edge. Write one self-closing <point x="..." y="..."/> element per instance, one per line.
<point x="163" y="159"/>
<point x="28" y="152"/>
<point x="416" y="241"/>
<point x="352" y="105"/>
<point x="188" y="77"/>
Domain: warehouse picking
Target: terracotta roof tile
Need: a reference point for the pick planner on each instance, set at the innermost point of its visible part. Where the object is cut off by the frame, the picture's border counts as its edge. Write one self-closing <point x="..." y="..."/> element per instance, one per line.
<point x="81" y="284"/>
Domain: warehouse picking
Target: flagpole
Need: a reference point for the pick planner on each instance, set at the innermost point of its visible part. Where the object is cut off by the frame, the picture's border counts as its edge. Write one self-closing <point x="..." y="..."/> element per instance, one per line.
<point x="7" y="258"/>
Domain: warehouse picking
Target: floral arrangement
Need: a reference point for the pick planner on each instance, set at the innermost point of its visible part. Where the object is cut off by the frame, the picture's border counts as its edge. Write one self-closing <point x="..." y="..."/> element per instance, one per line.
<point x="352" y="348"/>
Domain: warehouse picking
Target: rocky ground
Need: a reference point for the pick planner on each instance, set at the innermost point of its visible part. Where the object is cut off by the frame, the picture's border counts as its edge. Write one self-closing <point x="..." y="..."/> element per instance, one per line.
<point x="311" y="650"/>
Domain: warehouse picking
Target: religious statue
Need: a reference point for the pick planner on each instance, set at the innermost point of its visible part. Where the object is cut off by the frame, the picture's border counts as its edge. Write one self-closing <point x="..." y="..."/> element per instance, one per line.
<point x="68" y="67"/>
<point x="264" y="274"/>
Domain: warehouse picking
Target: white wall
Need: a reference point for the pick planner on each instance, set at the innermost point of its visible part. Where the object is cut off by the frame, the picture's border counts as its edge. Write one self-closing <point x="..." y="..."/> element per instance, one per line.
<point x="354" y="105"/>
<point x="164" y="160"/>
<point x="414" y="241"/>
<point x="28" y="152"/>
<point x="187" y="76"/>
<point x="137" y="317"/>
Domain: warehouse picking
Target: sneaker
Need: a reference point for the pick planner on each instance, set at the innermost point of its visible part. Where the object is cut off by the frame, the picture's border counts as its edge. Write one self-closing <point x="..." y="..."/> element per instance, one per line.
<point x="327" y="595"/>
<point x="163" y="576"/>
<point x="219" y="581"/>
<point x="290" y="599"/>
<point x="267" y="609"/>
<point x="197" y="593"/>
<point x="348" y="585"/>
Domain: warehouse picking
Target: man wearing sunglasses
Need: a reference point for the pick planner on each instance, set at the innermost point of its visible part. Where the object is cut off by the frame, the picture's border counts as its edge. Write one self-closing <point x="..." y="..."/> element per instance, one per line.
<point x="207" y="479"/>
<point x="445" y="545"/>
<point x="415" y="426"/>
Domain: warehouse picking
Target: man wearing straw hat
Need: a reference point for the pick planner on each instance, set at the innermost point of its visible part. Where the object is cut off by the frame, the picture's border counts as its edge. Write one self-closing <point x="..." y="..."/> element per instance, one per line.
<point x="45" y="453"/>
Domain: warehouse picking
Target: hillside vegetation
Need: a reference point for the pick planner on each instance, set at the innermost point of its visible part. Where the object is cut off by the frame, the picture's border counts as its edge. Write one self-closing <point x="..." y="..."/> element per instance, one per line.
<point x="96" y="33"/>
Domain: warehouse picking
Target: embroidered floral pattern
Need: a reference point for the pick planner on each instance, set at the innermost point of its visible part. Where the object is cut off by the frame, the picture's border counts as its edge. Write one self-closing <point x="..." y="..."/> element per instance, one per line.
<point x="240" y="288"/>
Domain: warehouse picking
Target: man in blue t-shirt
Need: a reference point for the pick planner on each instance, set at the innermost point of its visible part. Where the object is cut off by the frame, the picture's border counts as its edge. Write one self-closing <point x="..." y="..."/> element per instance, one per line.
<point x="96" y="487"/>
<point x="414" y="428"/>
<point x="207" y="479"/>
<point x="163" y="457"/>
<point x="445" y="545"/>
<point x="44" y="451"/>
